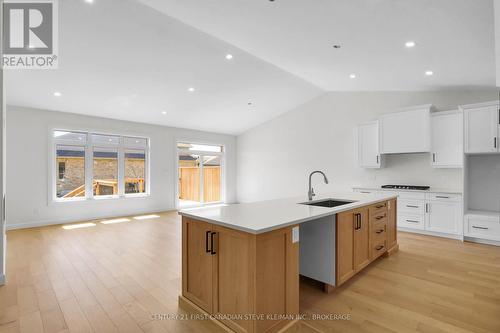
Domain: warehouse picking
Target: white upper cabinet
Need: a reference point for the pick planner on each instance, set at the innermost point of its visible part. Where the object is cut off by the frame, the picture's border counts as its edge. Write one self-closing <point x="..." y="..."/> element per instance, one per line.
<point x="367" y="145"/>
<point x="406" y="131"/>
<point x="447" y="139"/>
<point x="481" y="127"/>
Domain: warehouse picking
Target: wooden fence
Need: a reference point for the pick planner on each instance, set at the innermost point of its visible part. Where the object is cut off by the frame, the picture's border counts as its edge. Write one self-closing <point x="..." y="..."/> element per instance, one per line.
<point x="189" y="183"/>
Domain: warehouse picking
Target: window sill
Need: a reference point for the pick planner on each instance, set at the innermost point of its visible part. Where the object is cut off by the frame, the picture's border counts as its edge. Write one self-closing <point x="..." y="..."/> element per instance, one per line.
<point x="101" y="198"/>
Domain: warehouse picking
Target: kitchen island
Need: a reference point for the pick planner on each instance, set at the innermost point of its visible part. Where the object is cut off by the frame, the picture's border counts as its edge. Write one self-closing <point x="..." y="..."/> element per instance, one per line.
<point x="241" y="266"/>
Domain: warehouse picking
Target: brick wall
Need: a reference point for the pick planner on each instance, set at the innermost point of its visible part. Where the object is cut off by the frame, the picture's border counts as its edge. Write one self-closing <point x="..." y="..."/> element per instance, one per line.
<point x="104" y="169"/>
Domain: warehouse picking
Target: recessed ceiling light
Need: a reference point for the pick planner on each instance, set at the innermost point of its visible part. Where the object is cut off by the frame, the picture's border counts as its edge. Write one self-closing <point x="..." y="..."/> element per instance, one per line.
<point x="57" y="94"/>
<point x="164" y="112"/>
<point x="352" y="76"/>
<point x="229" y="56"/>
<point x="410" y="44"/>
<point x="429" y="73"/>
<point x="89" y="1"/>
<point x="190" y="89"/>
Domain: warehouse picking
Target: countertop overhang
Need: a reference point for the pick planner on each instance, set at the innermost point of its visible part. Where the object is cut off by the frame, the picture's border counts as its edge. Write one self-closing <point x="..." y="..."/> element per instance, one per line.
<point x="264" y="216"/>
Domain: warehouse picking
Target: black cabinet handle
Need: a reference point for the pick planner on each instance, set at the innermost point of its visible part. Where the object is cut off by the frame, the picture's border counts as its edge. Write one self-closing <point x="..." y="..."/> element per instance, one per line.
<point x="380" y="217"/>
<point x="434" y="157"/>
<point x="377" y="160"/>
<point x="412" y="221"/>
<point x="206" y="242"/>
<point x="379" y="248"/>
<point x="379" y="231"/>
<point x="212" y="252"/>
<point x="411" y="206"/>
<point x="442" y="197"/>
<point x="482" y="228"/>
<point x="495" y="142"/>
<point x="380" y="206"/>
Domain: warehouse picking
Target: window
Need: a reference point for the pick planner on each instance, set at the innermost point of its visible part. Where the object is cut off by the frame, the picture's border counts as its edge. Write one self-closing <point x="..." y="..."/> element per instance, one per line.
<point x="72" y="184"/>
<point x="200" y="171"/>
<point x="90" y="165"/>
<point x="135" y="170"/>
<point x="62" y="170"/>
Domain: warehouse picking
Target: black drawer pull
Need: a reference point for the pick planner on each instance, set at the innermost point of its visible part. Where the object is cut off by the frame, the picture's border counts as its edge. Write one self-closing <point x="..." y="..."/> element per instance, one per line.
<point x="412" y="221"/>
<point x="412" y="206"/>
<point x="380" y="206"/>
<point x="378" y="248"/>
<point x="212" y="252"/>
<point x="482" y="228"/>
<point x="206" y="242"/>
<point x="380" y="231"/>
<point x="442" y="197"/>
<point x="380" y="217"/>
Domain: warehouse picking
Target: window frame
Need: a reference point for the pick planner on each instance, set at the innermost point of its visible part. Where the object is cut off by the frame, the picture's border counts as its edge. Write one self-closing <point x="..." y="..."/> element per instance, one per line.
<point x="89" y="163"/>
<point x="201" y="154"/>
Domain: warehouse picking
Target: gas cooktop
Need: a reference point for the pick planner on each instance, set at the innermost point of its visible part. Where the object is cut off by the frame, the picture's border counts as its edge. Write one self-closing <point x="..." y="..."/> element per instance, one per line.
<point x="407" y="187"/>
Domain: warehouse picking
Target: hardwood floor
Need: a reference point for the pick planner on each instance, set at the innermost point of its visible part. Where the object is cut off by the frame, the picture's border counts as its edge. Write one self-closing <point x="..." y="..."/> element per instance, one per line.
<point x="117" y="277"/>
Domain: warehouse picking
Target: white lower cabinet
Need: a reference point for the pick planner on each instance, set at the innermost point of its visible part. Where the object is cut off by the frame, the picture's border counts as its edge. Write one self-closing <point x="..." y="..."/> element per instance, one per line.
<point x="483" y="226"/>
<point x="432" y="212"/>
<point x="411" y="221"/>
<point x="443" y="217"/>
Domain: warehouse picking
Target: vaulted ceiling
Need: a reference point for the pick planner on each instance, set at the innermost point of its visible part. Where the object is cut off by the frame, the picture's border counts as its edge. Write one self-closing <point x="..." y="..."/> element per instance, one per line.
<point x="136" y="59"/>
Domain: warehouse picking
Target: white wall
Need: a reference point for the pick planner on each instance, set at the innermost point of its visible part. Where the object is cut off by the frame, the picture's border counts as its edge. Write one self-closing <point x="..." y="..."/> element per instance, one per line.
<point x="3" y="238"/>
<point x="497" y="38"/>
<point x="274" y="159"/>
<point x="27" y="164"/>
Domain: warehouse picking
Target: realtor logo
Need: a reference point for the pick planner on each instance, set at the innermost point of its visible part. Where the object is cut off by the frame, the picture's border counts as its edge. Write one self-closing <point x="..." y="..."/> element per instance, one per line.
<point x="29" y="34"/>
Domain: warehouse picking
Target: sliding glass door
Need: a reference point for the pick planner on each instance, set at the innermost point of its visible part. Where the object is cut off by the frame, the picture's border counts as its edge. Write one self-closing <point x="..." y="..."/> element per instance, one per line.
<point x="200" y="174"/>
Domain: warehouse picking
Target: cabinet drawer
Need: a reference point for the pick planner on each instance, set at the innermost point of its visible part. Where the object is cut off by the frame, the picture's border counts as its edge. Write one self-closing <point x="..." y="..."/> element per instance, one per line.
<point x="411" y="221"/>
<point x="412" y="195"/>
<point x="378" y="215"/>
<point x="483" y="228"/>
<point x="445" y="197"/>
<point x="377" y="210"/>
<point x="378" y="248"/>
<point x="411" y="206"/>
<point x="378" y="228"/>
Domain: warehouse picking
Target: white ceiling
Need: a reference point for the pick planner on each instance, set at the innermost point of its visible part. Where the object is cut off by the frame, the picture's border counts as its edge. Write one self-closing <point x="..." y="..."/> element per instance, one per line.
<point x="455" y="39"/>
<point x="121" y="59"/>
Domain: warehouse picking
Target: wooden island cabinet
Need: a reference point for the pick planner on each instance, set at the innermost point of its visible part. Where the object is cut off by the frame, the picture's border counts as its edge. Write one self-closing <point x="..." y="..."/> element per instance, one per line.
<point x="363" y="235"/>
<point x="235" y="274"/>
<point x="244" y="275"/>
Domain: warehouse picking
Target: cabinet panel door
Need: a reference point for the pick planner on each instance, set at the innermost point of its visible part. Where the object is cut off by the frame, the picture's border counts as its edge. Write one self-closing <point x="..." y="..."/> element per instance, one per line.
<point x="361" y="240"/>
<point x="443" y="217"/>
<point x="392" y="236"/>
<point x="447" y="139"/>
<point x="405" y="132"/>
<point x="481" y="130"/>
<point x="232" y="278"/>
<point x="197" y="263"/>
<point x="345" y="246"/>
<point x="368" y="150"/>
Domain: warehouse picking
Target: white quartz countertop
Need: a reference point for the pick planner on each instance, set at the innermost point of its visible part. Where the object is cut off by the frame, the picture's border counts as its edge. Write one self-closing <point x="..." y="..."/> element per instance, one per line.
<point x="264" y="216"/>
<point x="431" y="190"/>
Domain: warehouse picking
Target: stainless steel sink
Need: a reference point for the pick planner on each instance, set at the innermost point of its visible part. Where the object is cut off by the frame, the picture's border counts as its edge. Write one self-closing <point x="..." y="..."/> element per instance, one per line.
<point x="327" y="203"/>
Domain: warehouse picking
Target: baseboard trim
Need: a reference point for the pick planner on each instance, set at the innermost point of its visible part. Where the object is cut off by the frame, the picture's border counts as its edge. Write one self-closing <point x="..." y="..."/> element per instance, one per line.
<point x="431" y="233"/>
<point x="44" y="223"/>
<point x="482" y="241"/>
<point x="2" y="279"/>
